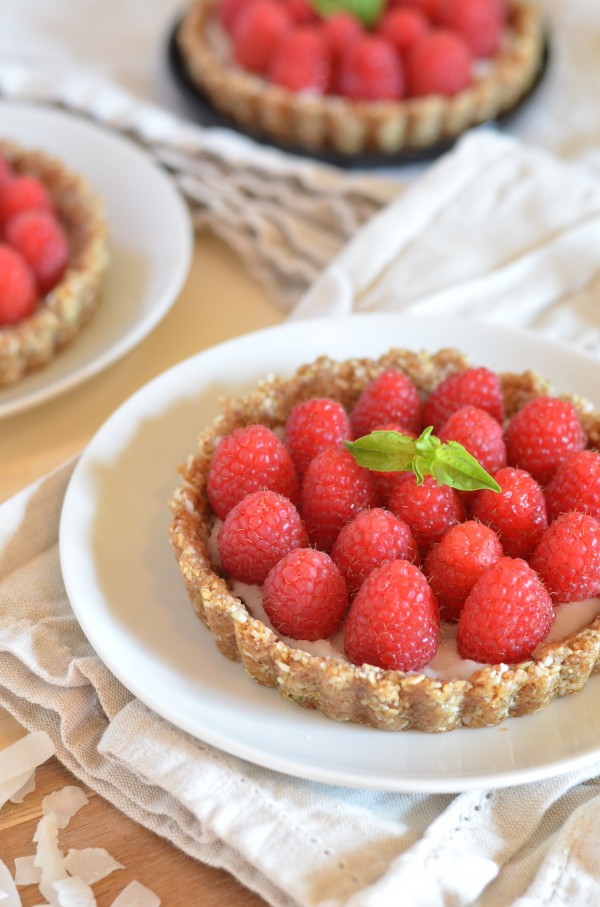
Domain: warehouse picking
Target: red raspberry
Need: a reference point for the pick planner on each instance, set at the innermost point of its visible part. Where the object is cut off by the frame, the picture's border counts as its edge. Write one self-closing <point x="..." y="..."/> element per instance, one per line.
<point x="385" y="482"/>
<point x="403" y="27"/>
<point x="568" y="557"/>
<point x="439" y="64"/>
<point x="6" y="173"/>
<point x="480" y="23"/>
<point x="305" y="595"/>
<point x="506" y="614"/>
<point x="394" y="621"/>
<point x="229" y="10"/>
<point x="40" y="239"/>
<point x="249" y="459"/>
<point x="340" y="30"/>
<point x="370" y="539"/>
<point x="334" y="490"/>
<point x="575" y="486"/>
<point x="542" y="435"/>
<point x="454" y="565"/>
<point x="391" y="397"/>
<point x="23" y="193"/>
<point x="302" y="62"/>
<point x="18" y="292"/>
<point x="517" y="513"/>
<point x="473" y="387"/>
<point x="371" y="70"/>
<point x="429" y="509"/>
<point x="479" y="433"/>
<point x="257" y="533"/>
<point x="301" y="11"/>
<point x="314" y="426"/>
<point x="257" y="32"/>
<point x="431" y="9"/>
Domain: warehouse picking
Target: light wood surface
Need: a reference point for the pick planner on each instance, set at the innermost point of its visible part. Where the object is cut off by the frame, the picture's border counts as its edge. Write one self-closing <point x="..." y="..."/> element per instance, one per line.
<point x="219" y="301"/>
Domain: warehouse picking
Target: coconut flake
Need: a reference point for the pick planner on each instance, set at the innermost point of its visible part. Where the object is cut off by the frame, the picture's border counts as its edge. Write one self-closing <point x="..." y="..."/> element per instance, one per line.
<point x="8" y="889"/>
<point x="26" y="872"/>
<point x="24" y="756"/>
<point x="49" y="858"/>
<point x="64" y="803"/>
<point x="136" y="895"/>
<point x="27" y="787"/>
<point x="91" y="864"/>
<point x="74" y="892"/>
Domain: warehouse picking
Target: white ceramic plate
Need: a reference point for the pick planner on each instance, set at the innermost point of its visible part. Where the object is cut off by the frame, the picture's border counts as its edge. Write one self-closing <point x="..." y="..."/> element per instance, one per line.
<point x="150" y="245"/>
<point x="125" y="588"/>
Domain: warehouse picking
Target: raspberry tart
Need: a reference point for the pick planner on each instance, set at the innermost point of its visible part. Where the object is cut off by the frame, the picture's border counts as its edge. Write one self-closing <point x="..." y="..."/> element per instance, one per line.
<point x="408" y="76"/>
<point x="302" y="585"/>
<point x="53" y="256"/>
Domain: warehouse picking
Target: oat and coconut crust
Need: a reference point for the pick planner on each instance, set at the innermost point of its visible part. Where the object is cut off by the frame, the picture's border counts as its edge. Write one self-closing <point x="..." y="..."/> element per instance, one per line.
<point x="322" y="123"/>
<point x="65" y="310"/>
<point x="390" y="700"/>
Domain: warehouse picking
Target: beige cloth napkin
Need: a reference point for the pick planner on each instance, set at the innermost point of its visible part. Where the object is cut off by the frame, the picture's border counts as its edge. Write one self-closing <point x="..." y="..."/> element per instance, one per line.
<point x="294" y="842"/>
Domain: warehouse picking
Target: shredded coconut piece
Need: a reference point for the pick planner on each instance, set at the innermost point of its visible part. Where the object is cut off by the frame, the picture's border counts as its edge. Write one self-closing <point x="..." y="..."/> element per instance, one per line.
<point x="74" y="892"/>
<point x="8" y="889"/>
<point x="64" y="803"/>
<point x="136" y="895"/>
<point x="91" y="864"/>
<point x="26" y="872"/>
<point x="18" y="763"/>
<point x="49" y="857"/>
<point x="27" y="787"/>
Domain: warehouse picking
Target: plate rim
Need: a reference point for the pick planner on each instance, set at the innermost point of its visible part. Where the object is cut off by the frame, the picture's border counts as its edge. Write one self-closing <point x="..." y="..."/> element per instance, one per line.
<point x="441" y="784"/>
<point x="142" y="326"/>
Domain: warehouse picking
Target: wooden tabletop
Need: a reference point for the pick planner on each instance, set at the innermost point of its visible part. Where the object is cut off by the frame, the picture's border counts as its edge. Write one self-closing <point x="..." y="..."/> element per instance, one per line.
<point x="218" y="301"/>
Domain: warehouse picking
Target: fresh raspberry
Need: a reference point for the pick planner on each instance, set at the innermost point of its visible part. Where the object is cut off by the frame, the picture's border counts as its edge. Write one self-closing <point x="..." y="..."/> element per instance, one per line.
<point x="567" y="558"/>
<point x="23" y="193"/>
<point x="334" y="490"/>
<point x="301" y="12"/>
<point x="340" y="30"/>
<point x="575" y="486"/>
<point x="431" y="9"/>
<point x="372" y="537"/>
<point x="40" y="239"/>
<point x="305" y="595"/>
<point x="454" y="565"/>
<point x="394" y="621"/>
<point x="257" y="533"/>
<point x="429" y="509"/>
<point x="473" y="387"/>
<point x="391" y="397"/>
<point x="229" y="10"/>
<point x="542" y="435"/>
<point x="506" y="614"/>
<point x="314" y="426"/>
<point x="403" y="27"/>
<point x="302" y="61"/>
<point x="439" y="64"/>
<point x="479" y="22"/>
<point x="371" y="70"/>
<point x="18" y="292"/>
<point x="249" y="459"/>
<point x="6" y="173"/>
<point x="517" y="513"/>
<point x="479" y="433"/>
<point x="385" y="482"/>
<point x="257" y="32"/>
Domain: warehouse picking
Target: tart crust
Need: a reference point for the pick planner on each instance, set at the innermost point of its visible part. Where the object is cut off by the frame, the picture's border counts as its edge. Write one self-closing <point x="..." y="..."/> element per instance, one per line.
<point x="390" y="700"/>
<point x="333" y="123"/>
<point x="62" y="313"/>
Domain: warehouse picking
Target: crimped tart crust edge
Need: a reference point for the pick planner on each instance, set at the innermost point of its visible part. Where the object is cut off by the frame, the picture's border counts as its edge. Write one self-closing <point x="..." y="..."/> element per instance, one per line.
<point x="62" y="313"/>
<point x="389" y="700"/>
<point x="333" y="123"/>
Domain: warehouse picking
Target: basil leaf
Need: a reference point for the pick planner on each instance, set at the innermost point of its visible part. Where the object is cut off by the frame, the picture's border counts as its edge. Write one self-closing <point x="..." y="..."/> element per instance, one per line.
<point x="453" y="465"/>
<point x="368" y="11"/>
<point x="383" y="451"/>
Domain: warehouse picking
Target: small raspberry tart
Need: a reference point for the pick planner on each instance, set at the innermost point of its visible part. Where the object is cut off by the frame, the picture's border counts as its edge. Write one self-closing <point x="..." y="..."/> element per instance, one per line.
<point x="71" y="216"/>
<point x="388" y="94"/>
<point x="480" y="694"/>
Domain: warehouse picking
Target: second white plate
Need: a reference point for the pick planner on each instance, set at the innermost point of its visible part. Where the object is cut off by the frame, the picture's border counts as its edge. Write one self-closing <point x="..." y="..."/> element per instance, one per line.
<point x="150" y="237"/>
<point x="125" y="588"/>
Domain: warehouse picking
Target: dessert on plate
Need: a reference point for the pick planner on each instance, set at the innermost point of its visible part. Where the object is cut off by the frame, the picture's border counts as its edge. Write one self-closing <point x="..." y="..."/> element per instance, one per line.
<point x="408" y="542"/>
<point x="53" y="256"/>
<point x="352" y="78"/>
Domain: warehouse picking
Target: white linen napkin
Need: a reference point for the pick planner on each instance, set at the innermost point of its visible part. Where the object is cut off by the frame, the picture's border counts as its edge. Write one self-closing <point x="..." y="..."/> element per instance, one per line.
<point x="294" y="842"/>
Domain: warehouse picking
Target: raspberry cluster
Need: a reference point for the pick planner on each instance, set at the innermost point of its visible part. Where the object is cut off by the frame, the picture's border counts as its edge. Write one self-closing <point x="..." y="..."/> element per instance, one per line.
<point x="34" y="251"/>
<point x="382" y="556"/>
<point x="414" y="48"/>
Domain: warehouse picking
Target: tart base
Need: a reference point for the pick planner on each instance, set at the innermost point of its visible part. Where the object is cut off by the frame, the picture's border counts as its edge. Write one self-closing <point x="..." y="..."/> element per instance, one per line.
<point x="62" y="313"/>
<point x="389" y="700"/>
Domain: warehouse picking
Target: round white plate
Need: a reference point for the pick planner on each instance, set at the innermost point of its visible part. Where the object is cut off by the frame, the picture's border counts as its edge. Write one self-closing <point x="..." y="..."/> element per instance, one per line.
<point x="124" y="585"/>
<point x="150" y="245"/>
